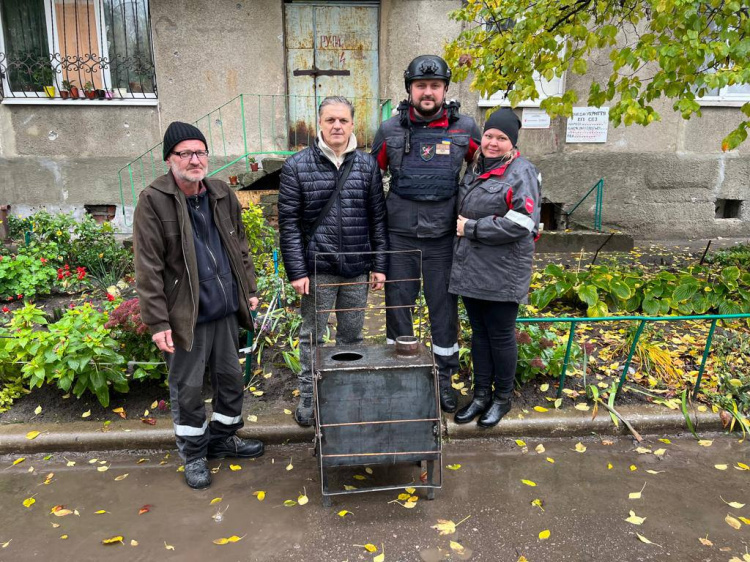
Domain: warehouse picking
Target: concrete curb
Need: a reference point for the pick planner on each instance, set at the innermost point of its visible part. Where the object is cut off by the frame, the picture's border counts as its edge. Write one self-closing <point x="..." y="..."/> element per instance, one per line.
<point x="281" y="429"/>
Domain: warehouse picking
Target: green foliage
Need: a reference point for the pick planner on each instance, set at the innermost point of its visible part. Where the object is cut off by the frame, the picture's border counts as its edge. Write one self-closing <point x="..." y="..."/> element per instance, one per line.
<point x="602" y="289"/>
<point x="731" y="352"/>
<point x="541" y="352"/>
<point x="77" y="353"/>
<point x="680" y="50"/>
<point x="738" y="255"/>
<point x="10" y="391"/>
<point x="27" y="273"/>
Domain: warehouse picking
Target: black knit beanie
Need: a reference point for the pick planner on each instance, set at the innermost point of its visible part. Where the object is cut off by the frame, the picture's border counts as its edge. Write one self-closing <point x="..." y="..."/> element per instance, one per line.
<point x="178" y="132"/>
<point x="506" y="121"/>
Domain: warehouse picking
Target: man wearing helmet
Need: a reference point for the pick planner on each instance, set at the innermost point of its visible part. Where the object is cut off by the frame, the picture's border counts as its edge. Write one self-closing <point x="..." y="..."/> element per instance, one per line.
<point x="424" y="148"/>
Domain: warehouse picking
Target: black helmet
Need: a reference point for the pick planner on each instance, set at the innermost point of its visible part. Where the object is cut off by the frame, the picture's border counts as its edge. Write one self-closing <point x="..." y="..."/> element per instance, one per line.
<point x="426" y="67"/>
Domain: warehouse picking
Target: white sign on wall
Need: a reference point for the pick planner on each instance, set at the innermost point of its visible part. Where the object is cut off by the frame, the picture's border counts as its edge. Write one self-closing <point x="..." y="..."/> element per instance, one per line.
<point x="588" y="124"/>
<point x="533" y="118"/>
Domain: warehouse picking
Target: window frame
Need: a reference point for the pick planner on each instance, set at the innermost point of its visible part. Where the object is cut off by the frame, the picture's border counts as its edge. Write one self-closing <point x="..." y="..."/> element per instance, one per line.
<point x="17" y="97"/>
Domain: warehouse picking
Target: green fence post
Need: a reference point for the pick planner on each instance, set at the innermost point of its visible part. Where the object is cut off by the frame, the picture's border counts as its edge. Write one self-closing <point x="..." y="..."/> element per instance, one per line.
<point x="706" y="351"/>
<point x="599" y="203"/>
<point x="625" y="369"/>
<point x="571" y="335"/>
<point x="244" y="129"/>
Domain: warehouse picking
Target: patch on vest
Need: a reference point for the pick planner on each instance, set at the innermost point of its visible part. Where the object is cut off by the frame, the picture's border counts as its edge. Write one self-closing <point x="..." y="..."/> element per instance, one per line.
<point x="529" y="205"/>
<point x="427" y="152"/>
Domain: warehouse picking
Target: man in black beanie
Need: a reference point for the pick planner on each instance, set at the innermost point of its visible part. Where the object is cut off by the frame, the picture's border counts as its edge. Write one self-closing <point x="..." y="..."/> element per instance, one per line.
<point x="196" y="285"/>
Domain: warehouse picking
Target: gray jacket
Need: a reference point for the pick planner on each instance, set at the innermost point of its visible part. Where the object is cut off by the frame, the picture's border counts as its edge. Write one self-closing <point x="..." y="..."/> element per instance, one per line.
<point x="492" y="261"/>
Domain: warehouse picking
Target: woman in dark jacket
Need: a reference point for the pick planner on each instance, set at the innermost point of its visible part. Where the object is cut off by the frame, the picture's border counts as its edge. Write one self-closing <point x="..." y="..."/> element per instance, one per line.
<point x="498" y="220"/>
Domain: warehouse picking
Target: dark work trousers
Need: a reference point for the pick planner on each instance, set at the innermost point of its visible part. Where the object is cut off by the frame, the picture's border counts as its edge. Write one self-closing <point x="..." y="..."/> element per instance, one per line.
<point x="348" y="324"/>
<point x="494" y="352"/>
<point x="437" y="257"/>
<point x="215" y="346"/>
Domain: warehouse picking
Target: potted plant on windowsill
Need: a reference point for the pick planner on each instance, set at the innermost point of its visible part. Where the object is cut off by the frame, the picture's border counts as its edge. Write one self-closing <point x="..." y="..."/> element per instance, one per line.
<point x="88" y="91"/>
<point x="70" y="86"/>
<point x="44" y="76"/>
<point x="253" y="164"/>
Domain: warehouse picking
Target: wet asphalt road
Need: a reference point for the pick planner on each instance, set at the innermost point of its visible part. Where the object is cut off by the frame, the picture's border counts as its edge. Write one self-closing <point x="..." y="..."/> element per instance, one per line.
<point x="584" y="506"/>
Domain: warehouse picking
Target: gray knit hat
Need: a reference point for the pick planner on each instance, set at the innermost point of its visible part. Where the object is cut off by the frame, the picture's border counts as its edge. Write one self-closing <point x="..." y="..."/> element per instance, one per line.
<point x="178" y="132"/>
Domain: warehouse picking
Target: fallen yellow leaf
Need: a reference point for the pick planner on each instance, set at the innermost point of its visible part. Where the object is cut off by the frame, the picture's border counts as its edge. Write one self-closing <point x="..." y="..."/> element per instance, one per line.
<point x="234" y="467"/>
<point x="520" y="443"/>
<point x="634" y="519"/>
<point x="580" y="447"/>
<point x="457" y="547"/>
<point x="32" y="435"/>
<point x="705" y="541"/>
<point x="260" y="494"/>
<point x="302" y="499"/>
<point x="544" y="387"/>
<point x="215" y="501"/>
<point x="644" y="539"/>
<point x="539" y="448"/>
<point x="720" y="466"/>
<point x="122" y="477"/>
<point x="133" y="542"/>
<point x="633" y="468"/>
<point x="19" y="460"/>
<point x="168" y="546"/>
<point x="289" y="503"/>
<point x="344" y="513"/>
<point x="453" y="466"/>
<point x="742" y="466"/>
<point x="732" y="522"/>
<point x="735" y="505"/>
<point x="582" y="407"/>
<point x="102" y="468"/>
<point x="287" y="412"/>
<point x="544" y="534"/>
<point x="64" y="537"/>
<point x="86" y="414"/>
<point x="28" y="502"/>
<point x="550" y="460"/>
<point x="609" y="466"/>
<point x="705" y="442"/>
<point x="113" y="540"/>
<point x="529" y="483"/>
<point x="252" y="418"/>
<point x="37" y="410"/>
<point x="445" y="527"/>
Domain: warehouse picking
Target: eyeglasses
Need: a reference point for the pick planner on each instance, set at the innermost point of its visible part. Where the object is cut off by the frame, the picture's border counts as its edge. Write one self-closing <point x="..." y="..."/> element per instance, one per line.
<point x="188" y="154"/>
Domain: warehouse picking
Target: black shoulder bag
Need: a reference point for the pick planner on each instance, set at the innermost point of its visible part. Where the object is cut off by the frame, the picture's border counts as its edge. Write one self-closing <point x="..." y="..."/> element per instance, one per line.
<point x="310" y="232"/>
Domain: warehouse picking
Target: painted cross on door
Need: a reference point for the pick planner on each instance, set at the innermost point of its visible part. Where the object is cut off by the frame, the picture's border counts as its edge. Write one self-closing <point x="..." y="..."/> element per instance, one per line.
<point x="332" y="50"/>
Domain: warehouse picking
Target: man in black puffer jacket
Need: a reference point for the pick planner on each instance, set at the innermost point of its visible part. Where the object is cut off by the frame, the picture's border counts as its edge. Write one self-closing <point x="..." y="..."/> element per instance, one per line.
<point x="353" y="228"/>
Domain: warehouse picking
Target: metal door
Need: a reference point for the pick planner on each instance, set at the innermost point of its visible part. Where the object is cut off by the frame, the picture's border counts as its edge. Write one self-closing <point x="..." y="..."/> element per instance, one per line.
<point x="332" y="49"/>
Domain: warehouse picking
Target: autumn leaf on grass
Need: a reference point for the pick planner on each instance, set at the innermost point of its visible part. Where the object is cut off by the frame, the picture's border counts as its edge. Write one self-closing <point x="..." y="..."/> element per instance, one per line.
<point x="544" y="535"/>
<point x="528" y="483"/>
<point x="732" y="522"/>
<point x="645" y="540"/>
<point x="580" y="447"/>
<point x="260" y="494"/>
<point x="636" y="495"/>
<point x="735" y="505"/>
<point x="113" y="540"/>
<point x="233" y="538"/>
<point x="32" y="434"/>
<point x="634" y="519"/>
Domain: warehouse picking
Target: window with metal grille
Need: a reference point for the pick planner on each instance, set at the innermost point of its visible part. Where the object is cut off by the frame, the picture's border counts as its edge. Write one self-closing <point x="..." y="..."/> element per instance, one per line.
<point x="76" y="49"/>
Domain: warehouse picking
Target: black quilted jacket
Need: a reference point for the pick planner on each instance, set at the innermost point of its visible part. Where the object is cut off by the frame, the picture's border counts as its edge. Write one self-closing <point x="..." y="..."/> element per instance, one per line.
<point x="355" y="223"/>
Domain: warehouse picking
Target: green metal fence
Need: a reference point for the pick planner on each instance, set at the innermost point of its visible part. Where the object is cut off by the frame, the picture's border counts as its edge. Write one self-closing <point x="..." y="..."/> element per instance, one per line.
<point x="642" y="321"/>
<point x="598" y="189"/>
<point x="251" y="125"/>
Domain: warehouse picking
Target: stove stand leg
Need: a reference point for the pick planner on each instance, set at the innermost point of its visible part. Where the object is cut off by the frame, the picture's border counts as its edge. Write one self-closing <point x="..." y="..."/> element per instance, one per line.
<point x="327" y="502"/>
<point x="430" y="474"/>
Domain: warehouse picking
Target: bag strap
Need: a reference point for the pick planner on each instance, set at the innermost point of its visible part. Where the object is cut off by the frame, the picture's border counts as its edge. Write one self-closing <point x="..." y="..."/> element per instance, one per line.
<point x="310" y="232"/>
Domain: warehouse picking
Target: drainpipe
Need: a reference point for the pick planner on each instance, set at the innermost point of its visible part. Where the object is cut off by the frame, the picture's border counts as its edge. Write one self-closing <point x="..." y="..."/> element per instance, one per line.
<point x="4" y="212"/>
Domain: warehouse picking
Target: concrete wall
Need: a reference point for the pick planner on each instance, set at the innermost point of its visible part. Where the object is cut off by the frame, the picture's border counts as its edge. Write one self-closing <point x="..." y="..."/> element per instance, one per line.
<point x="660" y="181"/>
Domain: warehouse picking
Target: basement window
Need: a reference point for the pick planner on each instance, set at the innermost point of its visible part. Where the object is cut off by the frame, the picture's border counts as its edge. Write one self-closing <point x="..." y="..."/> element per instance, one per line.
<point x="728" y="208"/>
<point x="551" y="215"/>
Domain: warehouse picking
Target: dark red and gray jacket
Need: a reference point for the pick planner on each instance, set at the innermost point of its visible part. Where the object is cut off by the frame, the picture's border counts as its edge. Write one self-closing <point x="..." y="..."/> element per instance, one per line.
<point x="425" y="159"/>
<point x="492" y="260"/>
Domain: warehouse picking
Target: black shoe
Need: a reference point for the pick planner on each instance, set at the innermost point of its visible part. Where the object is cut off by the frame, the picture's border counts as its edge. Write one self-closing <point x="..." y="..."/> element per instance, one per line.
<point x="496" y="411"/>
<point x="197" y="475"/>
<point x="478" y="405"/>
<point x="305" y="413"/>
<point x="235" y="447"/>
<point x="448" y="400"/>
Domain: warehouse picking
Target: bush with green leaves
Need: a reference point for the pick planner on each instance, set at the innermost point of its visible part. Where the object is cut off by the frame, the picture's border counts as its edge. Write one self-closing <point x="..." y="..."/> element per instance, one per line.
<point x="541" y="352"/>
<point x="738" y="255"/>
<point x="77" y="353"/>
<point x="730" y="352"/>
<point x="602" y="290"/>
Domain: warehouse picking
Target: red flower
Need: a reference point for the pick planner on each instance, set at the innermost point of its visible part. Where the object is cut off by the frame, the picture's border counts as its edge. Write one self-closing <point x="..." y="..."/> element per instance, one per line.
<point x="81" y="271"/>
<point x="537" y="363"/>
<point x="19" y="297"/>
<point x="67" y="266"/>
<point x="110" y="297"/>
<point x="43" y="260"/>
<point x="6" y="309"/>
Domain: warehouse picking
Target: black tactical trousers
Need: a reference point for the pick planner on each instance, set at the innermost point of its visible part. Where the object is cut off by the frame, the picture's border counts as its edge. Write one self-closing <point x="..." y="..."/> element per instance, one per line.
<point x="437" y="257"/>
<point x="215" y="346"/>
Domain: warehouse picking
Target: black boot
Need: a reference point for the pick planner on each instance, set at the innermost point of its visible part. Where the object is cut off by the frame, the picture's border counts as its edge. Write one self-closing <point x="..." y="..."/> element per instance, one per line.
<point x="197" y="475"/>
<point x="478" y="405"/>
<point x="499" y="407"/>
<point x="235" y="447"/>
<point x="448" y="400"/>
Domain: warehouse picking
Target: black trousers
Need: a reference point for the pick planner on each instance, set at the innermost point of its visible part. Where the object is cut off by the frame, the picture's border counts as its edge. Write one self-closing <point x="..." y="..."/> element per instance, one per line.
<point x="215" y="346"/>
<point x="494" y="351"/>
<point x="437" y="258"/>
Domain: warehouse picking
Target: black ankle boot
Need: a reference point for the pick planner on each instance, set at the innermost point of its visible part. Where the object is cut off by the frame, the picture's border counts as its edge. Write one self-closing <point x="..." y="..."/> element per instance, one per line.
<point x="496" y="411"/>
<point x="448" y="400"/>
<point x="478" y="405"/>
